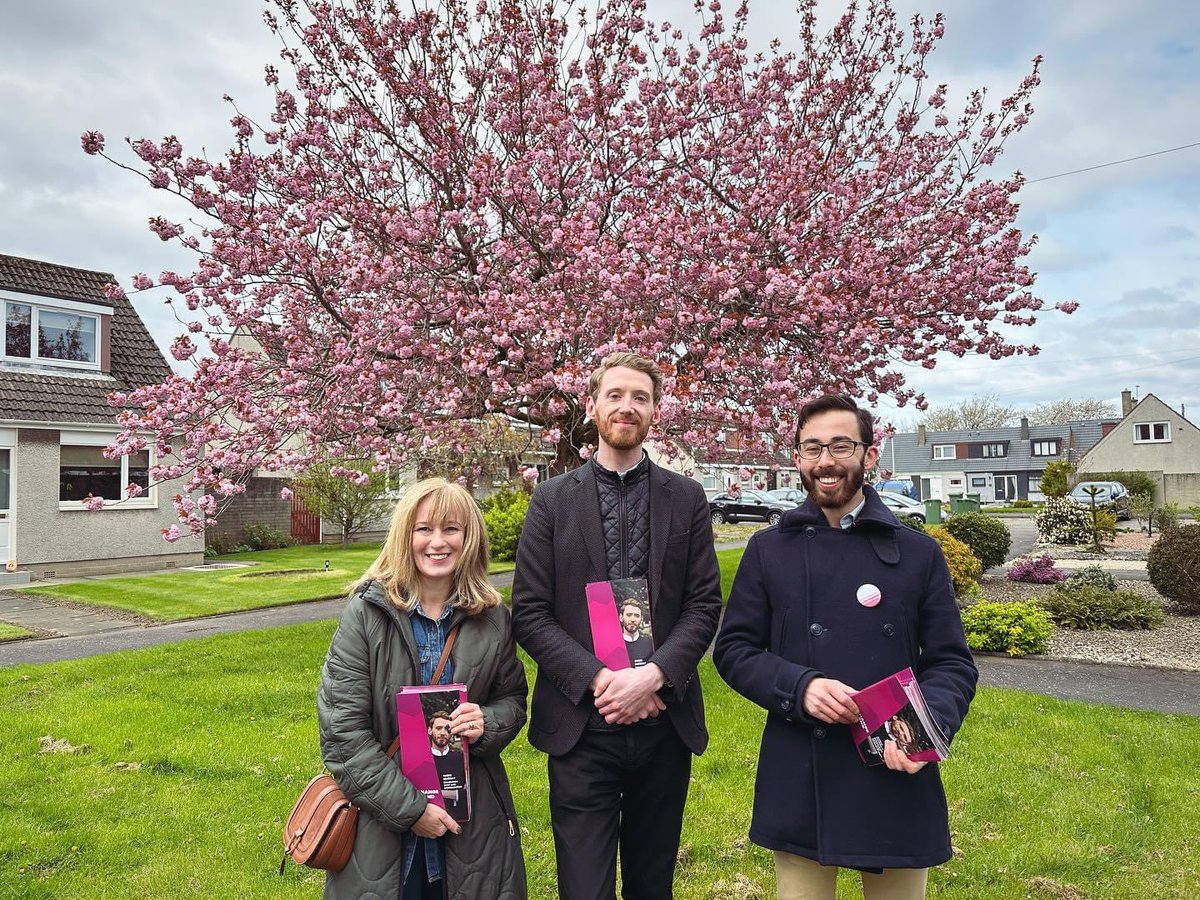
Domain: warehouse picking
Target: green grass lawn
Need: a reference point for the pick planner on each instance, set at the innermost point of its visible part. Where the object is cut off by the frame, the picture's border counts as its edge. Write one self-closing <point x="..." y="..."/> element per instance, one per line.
<point x="13" y="632"/>
<point x="168" y="772"/>
<point x="275" y="577"/>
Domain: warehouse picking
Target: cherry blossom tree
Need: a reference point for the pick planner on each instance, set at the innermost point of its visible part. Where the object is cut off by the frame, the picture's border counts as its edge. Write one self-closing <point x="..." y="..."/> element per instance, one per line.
<point x="458" y="207"/>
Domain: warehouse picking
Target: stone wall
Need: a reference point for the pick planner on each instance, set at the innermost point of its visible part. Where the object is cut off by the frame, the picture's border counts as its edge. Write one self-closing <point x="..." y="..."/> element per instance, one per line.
<point x="259" y="505"/>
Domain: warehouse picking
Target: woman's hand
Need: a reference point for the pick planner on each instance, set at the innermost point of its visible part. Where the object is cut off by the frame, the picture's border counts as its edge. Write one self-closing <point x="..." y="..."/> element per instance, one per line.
<point x="434" y="823"/>
<point x="897" y="760"/>
<point x="467" y="722"/>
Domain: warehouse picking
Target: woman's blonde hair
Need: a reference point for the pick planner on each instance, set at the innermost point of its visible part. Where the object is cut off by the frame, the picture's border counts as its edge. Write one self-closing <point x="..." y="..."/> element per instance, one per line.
<point x="396" y="568"/>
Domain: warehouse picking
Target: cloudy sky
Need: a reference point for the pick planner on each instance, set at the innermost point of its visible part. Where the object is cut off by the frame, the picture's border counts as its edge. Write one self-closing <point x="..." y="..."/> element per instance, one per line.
<point x="1120" y="80"/>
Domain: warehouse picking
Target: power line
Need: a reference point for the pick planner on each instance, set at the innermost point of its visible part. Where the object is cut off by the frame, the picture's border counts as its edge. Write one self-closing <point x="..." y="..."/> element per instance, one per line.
<point x="949" y="366"/>
<point x="1113" y="163"/>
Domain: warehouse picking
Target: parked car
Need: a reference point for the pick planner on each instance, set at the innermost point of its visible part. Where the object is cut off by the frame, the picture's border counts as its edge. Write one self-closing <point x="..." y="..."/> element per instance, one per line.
<point x="904" y="508"/>
<point x="794" y="495"/>
<point x="1109" y="494"/>
<point x="904" y="488"/>
<point x="755" y="505"/>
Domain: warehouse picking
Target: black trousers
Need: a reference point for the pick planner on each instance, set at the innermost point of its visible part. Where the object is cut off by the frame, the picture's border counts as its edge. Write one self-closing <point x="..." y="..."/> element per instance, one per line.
<point x="417" y="886"/>
<point x="626" y="786"/>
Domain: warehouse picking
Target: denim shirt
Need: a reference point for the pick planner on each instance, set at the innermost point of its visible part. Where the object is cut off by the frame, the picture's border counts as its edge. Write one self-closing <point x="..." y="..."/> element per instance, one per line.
<point x="430" y="637"/>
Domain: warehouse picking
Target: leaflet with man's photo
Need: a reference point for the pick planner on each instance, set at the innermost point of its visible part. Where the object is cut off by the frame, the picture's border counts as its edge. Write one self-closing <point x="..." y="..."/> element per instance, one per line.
<point x="619" y="613"/>
<point x="433" y="759"/>
<point x="894" y="709"/>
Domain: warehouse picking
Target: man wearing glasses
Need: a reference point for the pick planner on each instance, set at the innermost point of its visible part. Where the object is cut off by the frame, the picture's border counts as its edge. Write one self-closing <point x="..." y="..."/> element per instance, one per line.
<point x="836" y="597"/>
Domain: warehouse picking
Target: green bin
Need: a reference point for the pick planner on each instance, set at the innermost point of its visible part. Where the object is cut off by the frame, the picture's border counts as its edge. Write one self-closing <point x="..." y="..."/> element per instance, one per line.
<point x="956" y="503"/>
<point x="933" y="512"/>
<point x="971" y="503"/>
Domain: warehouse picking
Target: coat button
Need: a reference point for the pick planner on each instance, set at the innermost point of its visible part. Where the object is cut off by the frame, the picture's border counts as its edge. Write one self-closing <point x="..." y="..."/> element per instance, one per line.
<point x="889" y="629"/>
<point x="817" y="629"/>
<point x="785" y="705"/>
<point x="810" y="531"/>
<point x="819" y="733"/>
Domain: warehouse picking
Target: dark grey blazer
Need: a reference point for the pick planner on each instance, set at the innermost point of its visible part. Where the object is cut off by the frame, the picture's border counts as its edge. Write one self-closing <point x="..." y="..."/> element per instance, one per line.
<point x="561" y="550"/>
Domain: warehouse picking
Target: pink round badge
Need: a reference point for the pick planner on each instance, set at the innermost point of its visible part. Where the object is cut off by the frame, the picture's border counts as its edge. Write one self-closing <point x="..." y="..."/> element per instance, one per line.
<point x="868" y="595"/>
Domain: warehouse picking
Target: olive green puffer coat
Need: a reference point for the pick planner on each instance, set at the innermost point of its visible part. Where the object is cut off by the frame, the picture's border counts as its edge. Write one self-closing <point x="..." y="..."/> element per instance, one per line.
<point x="372" y="655"/>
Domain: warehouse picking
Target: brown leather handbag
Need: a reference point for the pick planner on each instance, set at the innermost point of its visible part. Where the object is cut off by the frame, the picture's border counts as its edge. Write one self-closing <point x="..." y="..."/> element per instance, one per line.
<point x="321" y="827"/>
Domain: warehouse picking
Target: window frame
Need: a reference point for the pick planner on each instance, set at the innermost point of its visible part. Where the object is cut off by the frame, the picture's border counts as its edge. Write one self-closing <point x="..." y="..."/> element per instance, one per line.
<point x="1151" y="439"/>
<point x="984" y="448"/>
<point x="1046" y="442"/>
<point x="147" y="500"/>
<point x="65" y="307"/>
<point x="951" y="447"/>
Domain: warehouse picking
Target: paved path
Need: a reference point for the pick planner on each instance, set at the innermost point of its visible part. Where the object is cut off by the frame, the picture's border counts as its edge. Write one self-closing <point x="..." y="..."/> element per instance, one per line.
<point x="90" y="632"/>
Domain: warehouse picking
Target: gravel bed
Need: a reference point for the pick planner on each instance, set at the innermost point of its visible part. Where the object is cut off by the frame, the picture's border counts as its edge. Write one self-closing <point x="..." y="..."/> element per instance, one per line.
<point x="1174" y="646"/>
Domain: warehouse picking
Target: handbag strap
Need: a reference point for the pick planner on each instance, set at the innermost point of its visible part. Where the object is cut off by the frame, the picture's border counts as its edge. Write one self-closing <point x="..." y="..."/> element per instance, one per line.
<point x="451" y="637"/>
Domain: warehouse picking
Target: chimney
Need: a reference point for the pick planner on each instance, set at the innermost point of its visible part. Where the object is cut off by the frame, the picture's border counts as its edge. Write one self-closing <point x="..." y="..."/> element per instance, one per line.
<point x="920" y="435"/>
<point x="1024" y="428"/>
<point x="1126" y="403"/>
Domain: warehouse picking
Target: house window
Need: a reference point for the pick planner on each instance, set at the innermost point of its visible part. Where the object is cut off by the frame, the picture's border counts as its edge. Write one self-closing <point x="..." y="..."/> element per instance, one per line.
<point x="51" y="335"/>
<point x="1152" y="433"/>
<point x="978" y="482"/>
<point x="1035" y="484"/>
<point x="994" y="450"/>
<point x="943" y="451"/>
<point x="84" y="471"/>
<point x="710" y="482"/>
<point x="1045" y="448"/>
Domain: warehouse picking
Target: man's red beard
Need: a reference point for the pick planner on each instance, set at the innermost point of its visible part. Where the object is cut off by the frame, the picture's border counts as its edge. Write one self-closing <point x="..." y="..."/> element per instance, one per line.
<point x="622" y="438"/>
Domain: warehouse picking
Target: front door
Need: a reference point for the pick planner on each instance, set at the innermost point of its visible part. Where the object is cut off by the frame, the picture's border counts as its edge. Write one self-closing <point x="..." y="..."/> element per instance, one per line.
<point x="1006" y="488"/>
<point x="7" y="548"/>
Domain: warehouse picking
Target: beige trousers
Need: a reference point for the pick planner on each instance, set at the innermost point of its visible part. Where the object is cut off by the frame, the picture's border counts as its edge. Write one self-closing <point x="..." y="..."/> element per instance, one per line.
<point x="799" y="878"/>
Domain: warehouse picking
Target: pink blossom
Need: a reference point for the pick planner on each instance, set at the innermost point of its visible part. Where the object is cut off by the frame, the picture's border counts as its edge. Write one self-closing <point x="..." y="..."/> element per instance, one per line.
<point x="286" y="494"/>
<point x="171" y="534"/>
<point x="93" y="503"/>
<point x="530" y="474"/>
<point x="93" y="142"/>
<point x="133" y="490"/>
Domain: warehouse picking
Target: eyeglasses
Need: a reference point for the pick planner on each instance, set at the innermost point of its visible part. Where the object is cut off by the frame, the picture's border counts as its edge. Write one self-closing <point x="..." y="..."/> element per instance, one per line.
<point x="842" y="449"/>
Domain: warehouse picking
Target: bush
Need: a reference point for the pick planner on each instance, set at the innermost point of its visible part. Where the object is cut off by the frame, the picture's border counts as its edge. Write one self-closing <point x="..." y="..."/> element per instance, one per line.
<point x="1056" y="478"/>
<point x="1023" y="504"/>
<point x="1174" y="566"/>
<point x="987" y="537"/>
<point x="965" y="568"/>
<point x="1016" y="628"/>
<point x="1090" y="608"/>
<point x="1038" y="570"/>
<point x="264" y="537"/>
<point x="1091" y="576"/>
<point x="1062" y="521"/>
<point x="1166" y="517"/>
<point x="504" y="514"/>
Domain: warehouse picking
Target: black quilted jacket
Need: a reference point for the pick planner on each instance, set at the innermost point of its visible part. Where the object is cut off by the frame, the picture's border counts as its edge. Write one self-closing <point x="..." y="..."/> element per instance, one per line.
<point x="625" y="519"/>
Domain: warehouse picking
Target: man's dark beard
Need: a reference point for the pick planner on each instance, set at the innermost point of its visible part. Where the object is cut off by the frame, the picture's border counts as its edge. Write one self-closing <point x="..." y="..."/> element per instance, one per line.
<point x="852" y="483"/>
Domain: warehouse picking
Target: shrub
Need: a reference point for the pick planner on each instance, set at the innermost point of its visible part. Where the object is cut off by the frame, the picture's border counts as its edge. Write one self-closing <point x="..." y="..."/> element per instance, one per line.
<point x="965" y="568"/>
<point x="1090" y="608"/>
<point x="1039" y="570"/>
<point x="1166" y="517"/>
<point x="1174" y="566"/>
<point x="987" y="537"/>
<point x="1062" y="521"/>
<point x="1091" y="576"/>
<point x="1016" y="628"/>
<point x="264" y="537"/>
<point x="1141" y="507"/>
<point x="1056" y="478"/>
<point x="504" y="514"/>
<point x="1023" y="504"/>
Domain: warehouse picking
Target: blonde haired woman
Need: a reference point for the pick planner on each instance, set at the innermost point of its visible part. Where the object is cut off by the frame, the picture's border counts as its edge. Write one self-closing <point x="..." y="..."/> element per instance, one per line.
<point x="430" y="577"/>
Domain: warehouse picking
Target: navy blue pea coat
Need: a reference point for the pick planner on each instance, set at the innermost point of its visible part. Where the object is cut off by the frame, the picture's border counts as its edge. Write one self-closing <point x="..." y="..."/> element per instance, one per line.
<point x="793" y="615"/>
